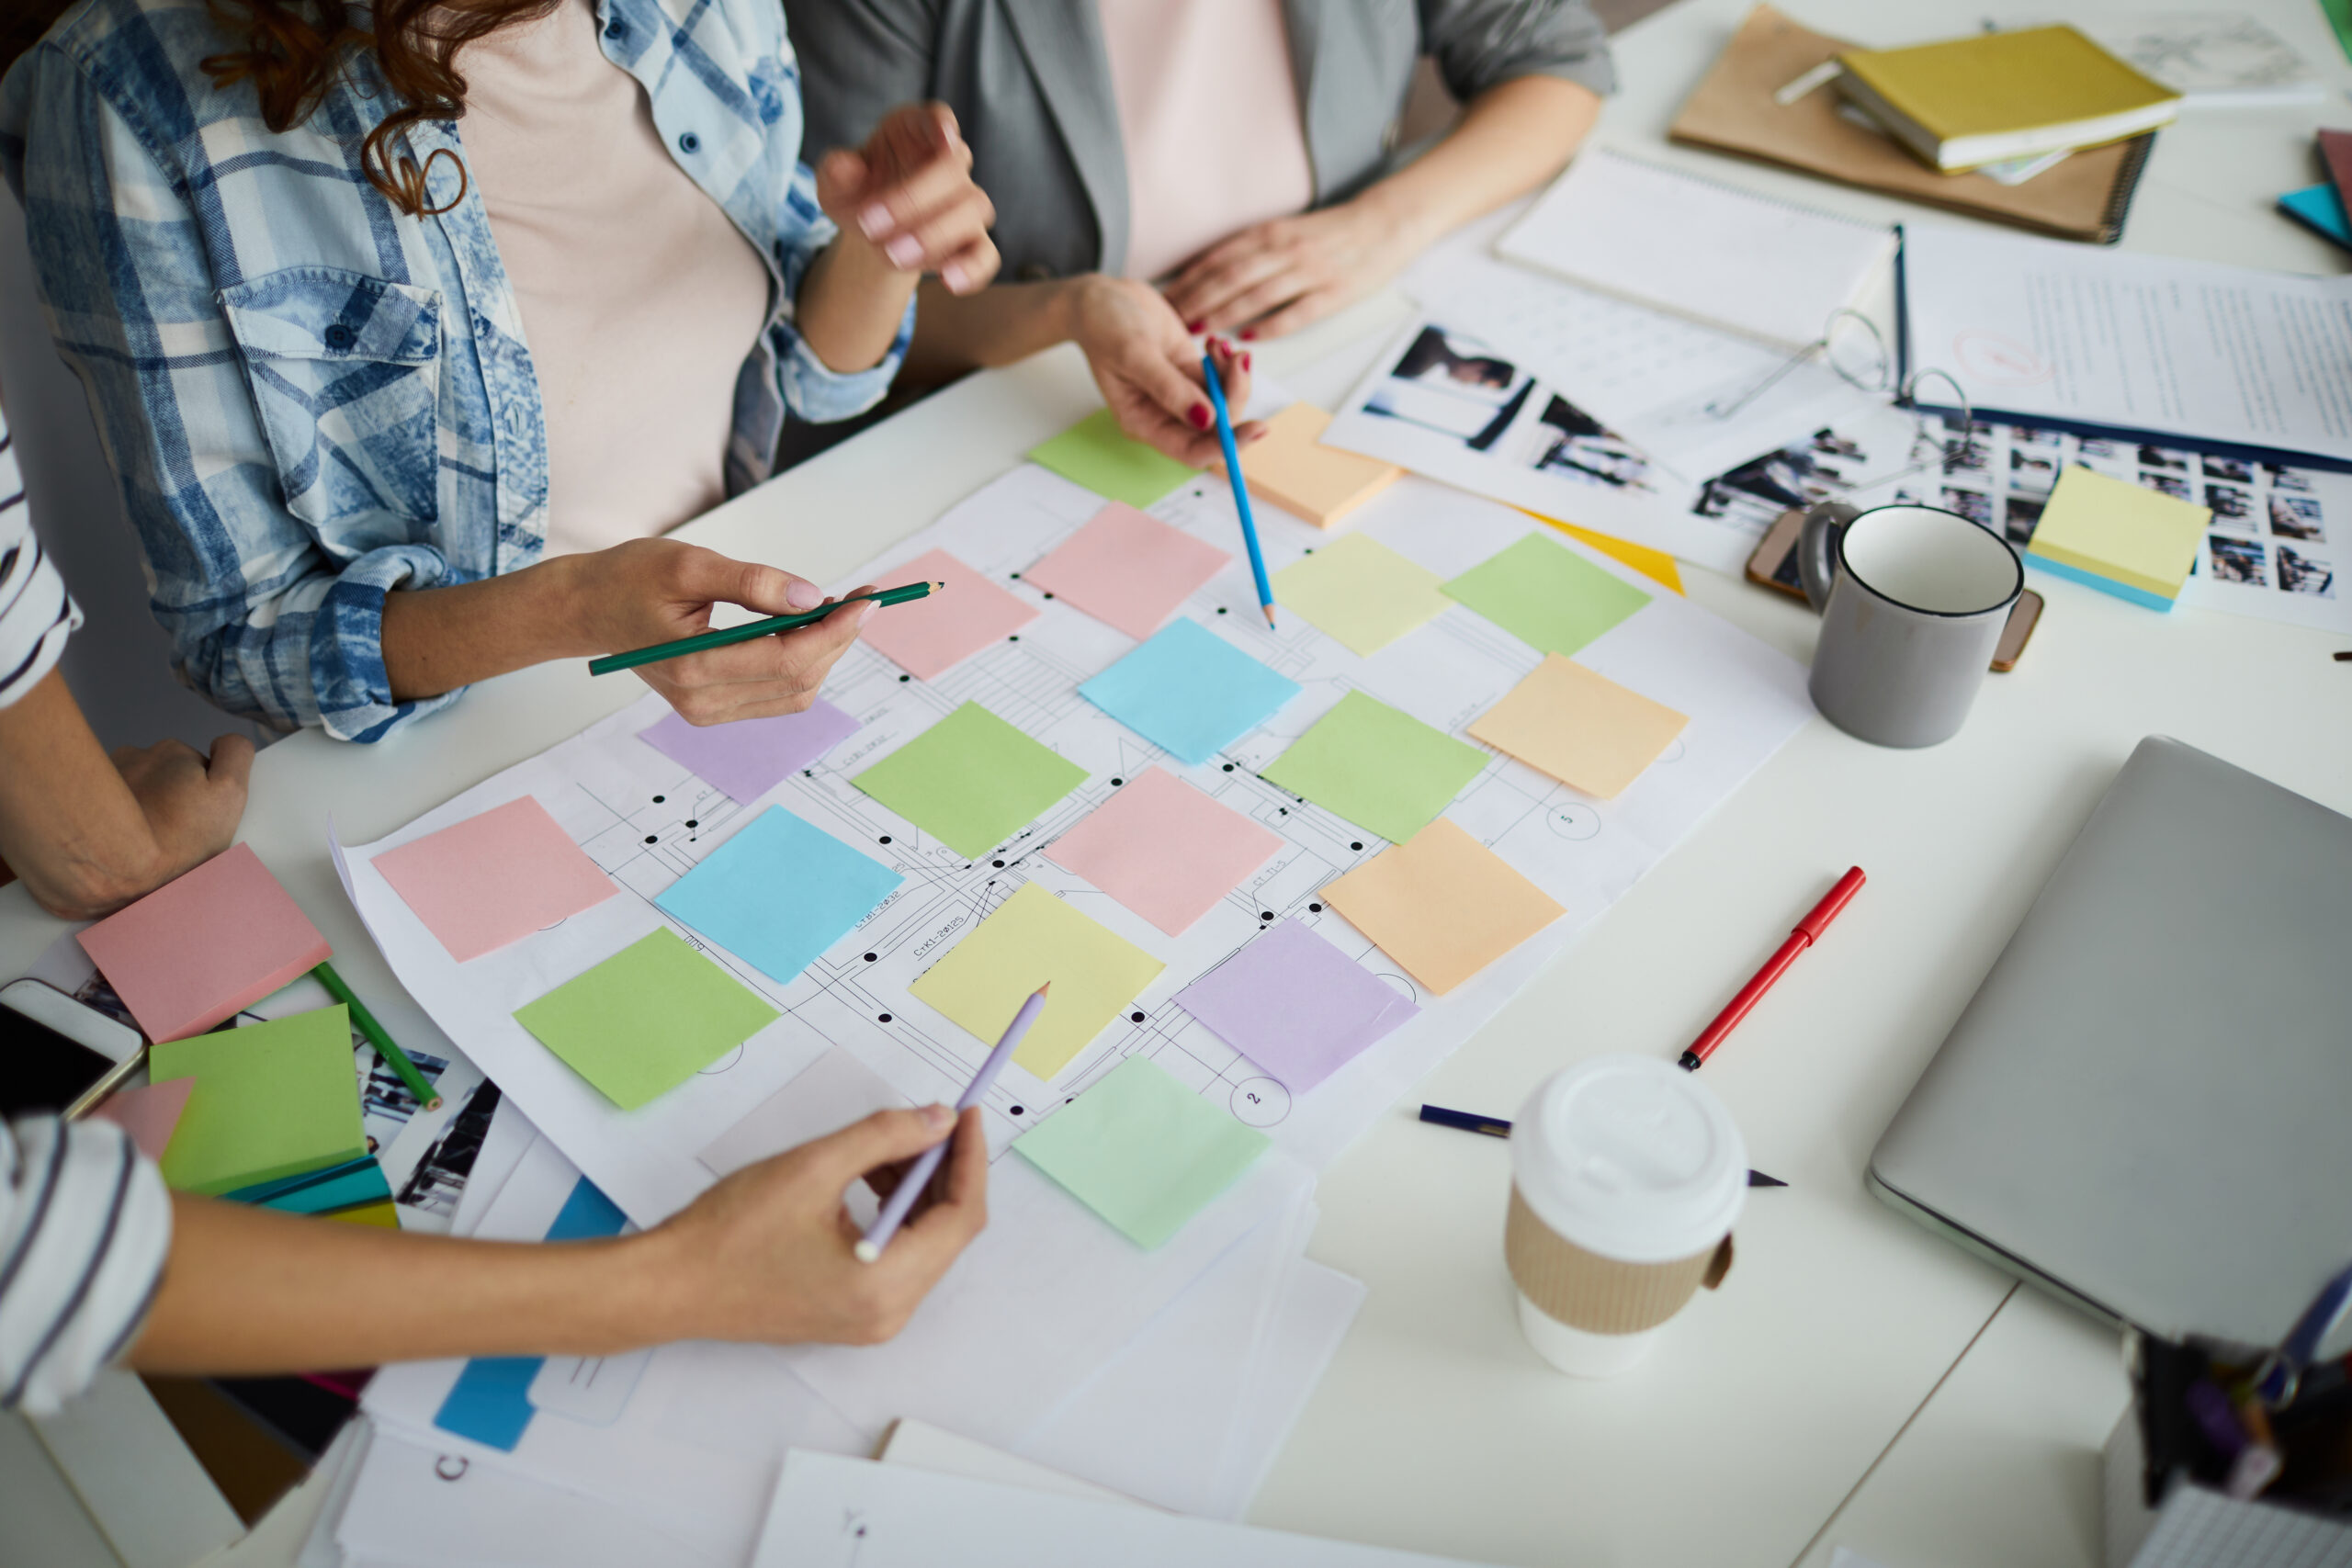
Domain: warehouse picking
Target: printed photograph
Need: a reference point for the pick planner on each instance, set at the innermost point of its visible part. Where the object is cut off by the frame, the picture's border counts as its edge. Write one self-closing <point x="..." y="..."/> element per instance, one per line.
<point x="2227" y="469"/>
<point x="2228" y="501"/>
<point x="1823" y="467"/>
<point x="2018" y="516"/>
<point x="2300" y="573"/>
<point x="2287" y="478"/>
<point x="2164" y="458"/>
<point x="1452" y="384"/>
<point x="1570" y="443"/>
<point x="2033" y="470"/>
<point x="2095" y="449"/>
<point x="2296" y="517"/>
<point x="1973" y="504"/>
<point x="2172" y="485"/>
<point x="2235" y="560"/>
<point x="2033" y="435"/>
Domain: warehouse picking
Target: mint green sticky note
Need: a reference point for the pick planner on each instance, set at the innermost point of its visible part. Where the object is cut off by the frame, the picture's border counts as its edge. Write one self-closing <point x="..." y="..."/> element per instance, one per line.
<point x="1382" y="770"/>
<point x="646" y="1018"/>
<point x="1142" y="1151"/>
<point x="271" y="1100"/>
<point x="1097" y="454"/>
<point x="1546" y="595"/>
<point x="971" y="781"/>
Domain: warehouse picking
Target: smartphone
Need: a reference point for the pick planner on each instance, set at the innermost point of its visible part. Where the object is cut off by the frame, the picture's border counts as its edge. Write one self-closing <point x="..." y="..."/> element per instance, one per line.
<point x="59" y="1055"/>
<point x="1774" y="565"/>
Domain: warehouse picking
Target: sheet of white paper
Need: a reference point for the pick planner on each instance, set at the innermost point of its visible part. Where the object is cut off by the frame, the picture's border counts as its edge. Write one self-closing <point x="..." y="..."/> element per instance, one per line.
<point x="832" y="1092"/>
<point x="925" y="1446"/>
<point x="1316" y="1313"/>
<point x="342" y="1463"/>
<point x="831" y="1512"/>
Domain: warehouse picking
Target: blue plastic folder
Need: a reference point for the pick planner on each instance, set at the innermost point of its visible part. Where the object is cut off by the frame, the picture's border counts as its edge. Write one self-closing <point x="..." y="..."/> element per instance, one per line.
<point x="779" y="893"/>
<point x="1189" y="692"/>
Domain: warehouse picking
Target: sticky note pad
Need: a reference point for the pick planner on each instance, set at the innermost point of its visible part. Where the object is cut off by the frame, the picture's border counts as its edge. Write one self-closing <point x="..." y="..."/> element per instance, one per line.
<point x="1034" y="937"/>
<point x="493" y="879"/>
<point x="1443" y="905"/>
<point x="752" y="756"/>
<point x="271" y="1100"/>
<point x="928" y="636"/>
<point x="1382" y="770"/>
<point x="1190" y="691"/>
<point x="779" y="893"/>
<point x="646" y="1019"/>
<point x="971" y="781"/>
<point x="1362" y="592"/>
<point x="1142" y="1151"/>
<point x="205" y="946"/>
<point x="1097" y="454"/>
<point x="1164" y="850"/>
<point x="1296" y="1005"/>
<point x="1291" y="466"/>
<point x="1579" y="727"/>
<point x="1127" y="570"/>
<point x="2119" y="537"/>
<point x="1546" y="595"/>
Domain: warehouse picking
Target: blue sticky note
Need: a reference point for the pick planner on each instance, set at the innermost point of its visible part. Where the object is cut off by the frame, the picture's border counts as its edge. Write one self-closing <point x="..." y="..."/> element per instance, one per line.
<point x="1190" y="691"/>
<point x="2320" y="210"/>
<point x="779" y="893"/>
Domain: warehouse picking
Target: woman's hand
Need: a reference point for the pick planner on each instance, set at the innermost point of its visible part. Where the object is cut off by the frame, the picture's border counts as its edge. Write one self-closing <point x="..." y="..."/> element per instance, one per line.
<point x="1149" y="370"/>
<point x="909" y="193"/>
<point x="653" y="590"/>
<point x="1279" y="275"/>
<point x="766" y="1255"/>
<point x="192" y="802"/>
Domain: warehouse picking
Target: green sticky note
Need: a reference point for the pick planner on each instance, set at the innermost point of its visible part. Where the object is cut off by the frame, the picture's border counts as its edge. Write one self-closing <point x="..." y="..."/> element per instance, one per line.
<point x="1361" y="592"/>
<point x="1547" y="594"/>
<point x="1097" y="454"/>
<point x="971" y="781"/>
<point x="646" y="1018"/>
<point x="1142" y="1151"/>
<point x="271" y="1100"/>
<point x="1382" y="770"/>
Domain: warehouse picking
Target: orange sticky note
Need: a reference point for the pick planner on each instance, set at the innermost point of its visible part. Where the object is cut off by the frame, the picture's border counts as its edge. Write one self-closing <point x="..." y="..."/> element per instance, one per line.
<point x="1127" y="568"/>
<point x="928" y="636"/>
<point x="1164" y="850"/>
<point x="1443" y="905"/>
<point x="201" y="949"/>
<point x="494" y="879"/>
<point x="1582" y="729"/>
<point x="1291" y="466"/>
<point x="1656" y="565"/>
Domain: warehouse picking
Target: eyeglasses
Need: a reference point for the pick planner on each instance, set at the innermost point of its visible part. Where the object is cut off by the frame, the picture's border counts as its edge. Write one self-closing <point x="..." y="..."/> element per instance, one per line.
<point x="1851" y="346"/>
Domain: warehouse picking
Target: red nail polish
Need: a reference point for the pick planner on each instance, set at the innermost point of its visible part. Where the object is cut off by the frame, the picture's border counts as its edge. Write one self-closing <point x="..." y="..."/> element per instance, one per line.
<point x="1194" y="327"/>
<point x="1249" y="334"/>
<point x="1200" y="416"/>
<point x="1245" y="362"/>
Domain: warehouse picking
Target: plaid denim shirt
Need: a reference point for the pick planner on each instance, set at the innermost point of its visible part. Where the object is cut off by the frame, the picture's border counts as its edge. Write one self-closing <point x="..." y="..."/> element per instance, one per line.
<point x="310" y="398"/>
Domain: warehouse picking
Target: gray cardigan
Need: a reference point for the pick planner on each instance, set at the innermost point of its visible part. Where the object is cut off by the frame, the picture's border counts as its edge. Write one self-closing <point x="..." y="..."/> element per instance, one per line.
<point x="1030" y="84"/>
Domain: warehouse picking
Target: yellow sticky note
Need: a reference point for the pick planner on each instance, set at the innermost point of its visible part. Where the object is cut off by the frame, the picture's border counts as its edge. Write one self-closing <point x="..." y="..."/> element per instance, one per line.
<point x="1582" y="729"/>
<point x="1032" y="938"/>
<point x="2119" y="537"/>
<point x="1291" y="466"/>
<point x="1656" y="565"/>
<point x="1358" y="590"/>
<point x="1443" y="905"/>
<point x="382" y="1215"/>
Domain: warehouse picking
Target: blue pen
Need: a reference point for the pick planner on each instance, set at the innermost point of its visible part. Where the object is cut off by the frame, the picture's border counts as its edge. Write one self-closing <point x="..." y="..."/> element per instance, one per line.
<point x="1240" y="489"/>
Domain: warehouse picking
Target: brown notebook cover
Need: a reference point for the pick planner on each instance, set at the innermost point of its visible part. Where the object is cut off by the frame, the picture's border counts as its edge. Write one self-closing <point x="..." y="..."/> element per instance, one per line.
<point x="1732" y="110"/>
<point x="2336" y="151"/>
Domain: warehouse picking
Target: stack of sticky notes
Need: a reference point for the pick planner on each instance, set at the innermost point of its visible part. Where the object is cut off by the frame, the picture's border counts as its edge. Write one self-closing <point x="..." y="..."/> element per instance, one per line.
<point x="199" y="950"/>
<point x="1292" y="467"/>
<point x="2119" y="537"/>
<point x="271" y="1102"/>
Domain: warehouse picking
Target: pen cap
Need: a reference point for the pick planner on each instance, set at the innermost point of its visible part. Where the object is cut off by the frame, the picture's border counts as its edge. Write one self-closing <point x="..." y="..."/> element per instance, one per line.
<point x="1630" y="1158"/>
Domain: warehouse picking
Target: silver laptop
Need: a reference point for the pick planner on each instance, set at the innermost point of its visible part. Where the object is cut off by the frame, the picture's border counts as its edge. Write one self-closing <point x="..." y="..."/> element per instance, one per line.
<point x="2147" y="1107"/>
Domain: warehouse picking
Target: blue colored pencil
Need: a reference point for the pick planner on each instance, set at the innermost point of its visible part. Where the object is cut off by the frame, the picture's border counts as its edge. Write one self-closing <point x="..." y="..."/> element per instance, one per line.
<point x="903" y="1197"/>
<point x="1240" y="489"/>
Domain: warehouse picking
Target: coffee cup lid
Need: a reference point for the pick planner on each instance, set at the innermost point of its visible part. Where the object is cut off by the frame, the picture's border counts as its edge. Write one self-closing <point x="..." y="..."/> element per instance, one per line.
<point x="1630" y="1157"/>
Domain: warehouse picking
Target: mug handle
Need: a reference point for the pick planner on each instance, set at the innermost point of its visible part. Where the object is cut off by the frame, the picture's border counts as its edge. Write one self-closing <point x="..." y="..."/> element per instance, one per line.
<point x="1823" y="524"/>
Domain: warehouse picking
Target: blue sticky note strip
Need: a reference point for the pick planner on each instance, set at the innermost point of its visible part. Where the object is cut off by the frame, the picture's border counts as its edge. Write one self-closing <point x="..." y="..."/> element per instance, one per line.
<point x="363" y="1183"/>
<point x="779" y="893"/>
<point x="2093" y="580"/>
<point x="1189" y="692"/>
<point x="270" y="1193"/>
<point x="490" y="1401"/>
<point x="2319" y="207"/>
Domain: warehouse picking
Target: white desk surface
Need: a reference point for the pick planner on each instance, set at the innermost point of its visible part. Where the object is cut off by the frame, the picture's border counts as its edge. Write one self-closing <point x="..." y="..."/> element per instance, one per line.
<point x="1791" y="1411"/>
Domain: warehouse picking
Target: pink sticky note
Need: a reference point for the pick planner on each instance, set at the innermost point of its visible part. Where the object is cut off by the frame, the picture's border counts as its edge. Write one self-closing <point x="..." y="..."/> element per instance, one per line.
<point x="199" y="950"/>
<point x="1164" y="850"/>
<point x="749" y="757"/>
<point x="488" y="880"/>
<point x="930" y="635"/>
<point x="1127" y="569"/>
<point x="148" y="1112"/>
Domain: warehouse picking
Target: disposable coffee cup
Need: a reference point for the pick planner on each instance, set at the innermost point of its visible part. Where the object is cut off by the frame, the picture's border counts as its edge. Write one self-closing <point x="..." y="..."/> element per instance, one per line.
<point x="1627" y="1176"/>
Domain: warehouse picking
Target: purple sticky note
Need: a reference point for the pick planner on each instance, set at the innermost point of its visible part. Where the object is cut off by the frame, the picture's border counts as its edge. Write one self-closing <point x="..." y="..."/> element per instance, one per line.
<point x="1296" y="1005"/>
<point x="749" y="757"/>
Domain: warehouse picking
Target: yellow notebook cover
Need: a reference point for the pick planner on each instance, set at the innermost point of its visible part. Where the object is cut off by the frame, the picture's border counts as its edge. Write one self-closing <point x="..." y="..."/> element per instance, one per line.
<point x="1991" y="83"/>
<point x="2120" y="531"/>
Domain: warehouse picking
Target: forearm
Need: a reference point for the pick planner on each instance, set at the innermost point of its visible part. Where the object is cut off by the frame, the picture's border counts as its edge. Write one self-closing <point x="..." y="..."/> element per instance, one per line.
<point x="68" y="825"/>
<point x="437" y="639"/>
<point x="251" y="1292"/>
<point x="1511" y="138"/>
<point x="850" y="305"/>
<point x="1000" y="325"/>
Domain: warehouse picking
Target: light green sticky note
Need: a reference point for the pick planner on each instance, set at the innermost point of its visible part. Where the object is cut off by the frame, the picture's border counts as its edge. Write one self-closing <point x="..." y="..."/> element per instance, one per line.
<point x="646" y="1018"/>
<point x="1361" y="592"/>
<point x="1142" y="1151"/>
<point x="271" y="1100"/>
<point x="971" y="781"/>
<point x="1097" y="454"/>
<point x="1382" y="770"/>
<point x="1546" y="595"/>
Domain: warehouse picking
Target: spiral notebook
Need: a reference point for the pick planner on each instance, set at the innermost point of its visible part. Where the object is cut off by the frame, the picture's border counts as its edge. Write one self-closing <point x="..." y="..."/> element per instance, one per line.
<point x="1725" y="257"/>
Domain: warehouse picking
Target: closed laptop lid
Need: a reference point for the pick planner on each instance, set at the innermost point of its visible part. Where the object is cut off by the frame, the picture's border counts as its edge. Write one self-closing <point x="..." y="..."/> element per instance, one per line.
<point x="2149" y="1101"/>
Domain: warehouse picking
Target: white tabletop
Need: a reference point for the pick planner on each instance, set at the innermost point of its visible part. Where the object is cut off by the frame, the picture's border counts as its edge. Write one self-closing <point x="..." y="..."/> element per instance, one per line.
<point x="1765" y="1430"/>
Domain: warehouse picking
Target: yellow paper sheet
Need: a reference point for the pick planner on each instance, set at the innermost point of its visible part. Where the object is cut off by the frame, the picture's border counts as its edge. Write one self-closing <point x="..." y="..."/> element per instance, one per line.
<point x="1443" y="905"/>
<point x="1656" y="565"/>
<point x="1582" y="729"/>
<point x="1032" y="938"/>
<point x="1291" y="466"/>
<point x="1361" y="592"/>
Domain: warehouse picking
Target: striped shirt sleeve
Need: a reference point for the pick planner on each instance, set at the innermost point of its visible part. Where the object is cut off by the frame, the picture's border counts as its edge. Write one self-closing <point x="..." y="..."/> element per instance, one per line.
<point x="36" y="613"/>
<point x="85" y="1226"/>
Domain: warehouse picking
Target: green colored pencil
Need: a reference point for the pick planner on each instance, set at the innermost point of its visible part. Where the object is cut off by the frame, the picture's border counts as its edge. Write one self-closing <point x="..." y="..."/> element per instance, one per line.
<point x="702" y="641"/>
<point x="394" y="1057"/>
